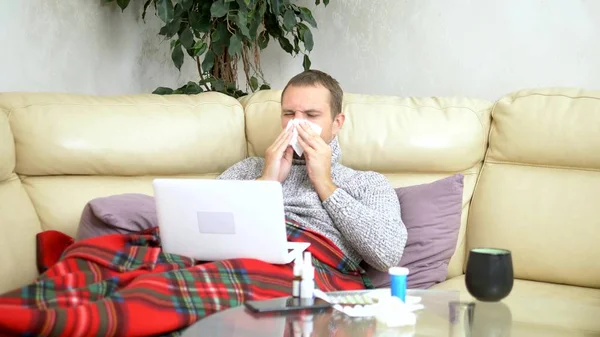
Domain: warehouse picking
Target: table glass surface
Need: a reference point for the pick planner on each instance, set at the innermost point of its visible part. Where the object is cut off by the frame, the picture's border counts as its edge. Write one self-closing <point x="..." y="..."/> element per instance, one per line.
<point x="444" y="314"/>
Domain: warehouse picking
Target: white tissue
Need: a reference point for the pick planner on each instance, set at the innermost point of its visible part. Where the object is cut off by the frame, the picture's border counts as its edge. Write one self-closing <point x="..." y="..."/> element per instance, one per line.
<point x="389" y="310"/>
<point x="294" y="141"/>
<point x="392" y="312"/>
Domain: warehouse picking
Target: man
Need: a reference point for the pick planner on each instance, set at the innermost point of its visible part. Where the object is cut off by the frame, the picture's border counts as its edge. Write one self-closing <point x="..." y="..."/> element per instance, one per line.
<point x="358" y="211"/>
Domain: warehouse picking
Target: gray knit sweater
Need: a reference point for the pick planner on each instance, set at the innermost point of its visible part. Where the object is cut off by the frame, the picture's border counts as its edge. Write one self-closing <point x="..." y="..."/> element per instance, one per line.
<point x="362" y="216"/>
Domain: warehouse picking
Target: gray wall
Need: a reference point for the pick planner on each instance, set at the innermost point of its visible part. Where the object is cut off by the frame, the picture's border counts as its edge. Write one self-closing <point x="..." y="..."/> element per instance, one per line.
<point x="478" y="48"/>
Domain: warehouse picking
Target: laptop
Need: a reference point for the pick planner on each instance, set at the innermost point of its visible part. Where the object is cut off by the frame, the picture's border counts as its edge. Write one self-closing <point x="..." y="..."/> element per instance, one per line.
<point x="213" y="220"/>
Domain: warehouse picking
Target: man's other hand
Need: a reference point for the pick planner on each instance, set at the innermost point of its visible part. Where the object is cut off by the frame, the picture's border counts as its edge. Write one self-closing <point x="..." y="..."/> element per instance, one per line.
<point x="278" y="158"/>
<point x="318" y="160"/>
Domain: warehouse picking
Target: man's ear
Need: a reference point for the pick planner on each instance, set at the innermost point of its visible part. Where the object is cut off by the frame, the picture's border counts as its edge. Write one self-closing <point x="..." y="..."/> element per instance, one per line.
<point x="338" y="122"/>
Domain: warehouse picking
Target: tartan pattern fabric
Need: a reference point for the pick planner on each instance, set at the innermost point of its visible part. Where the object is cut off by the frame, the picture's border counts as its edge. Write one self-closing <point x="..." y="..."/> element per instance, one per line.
<point x="52" y="244"/>
<point x="124" y="285"/>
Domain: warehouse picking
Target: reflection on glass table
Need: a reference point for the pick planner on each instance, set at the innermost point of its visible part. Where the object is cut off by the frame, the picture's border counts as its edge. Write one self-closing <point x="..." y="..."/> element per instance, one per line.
<point x="445" y="313"/>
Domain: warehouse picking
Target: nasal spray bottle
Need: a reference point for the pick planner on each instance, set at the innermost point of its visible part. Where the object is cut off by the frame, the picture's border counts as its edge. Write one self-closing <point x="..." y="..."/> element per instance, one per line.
<point x="297" y="276"/>
<point x="303" y="286"/>
<point x="307" y="284"/>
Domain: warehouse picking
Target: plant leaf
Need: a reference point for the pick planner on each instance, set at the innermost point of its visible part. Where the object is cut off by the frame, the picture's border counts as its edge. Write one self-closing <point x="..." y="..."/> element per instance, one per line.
<point x="191" y="88"/>
<point x="235" y="45"/>
<point x="123" y="4"/>
<point x="171" y="28"/>
<point x="146" y="5"/>
<point x="219" y="9"/>
<point x="264" y="87"/>
<point x="307" y="38"/>
<point x="230" y="87"/>
<point x="242" y="6"/>
<point x="219" y="85"/>
<point x="209" y="61"/>
<point x="187" y="38"/>
<point x="262" y="9"/>
<point x="242" y="23"/>
<point x="162" y="91"/>
<point x="177" y="56"/>
<point x="186" y="4"/>
<point x="199" y="48"/>
<point x="220" y="38"/>
<point x="253" y="83"/>
<point x="263" y="39"/>
<point x="307" y="16"/>
<point x="178" y="11"/>
<point x="198" y="22"/>
<point x="289" y="20"/>
<point x="306" y="62"/>
<point x="286" y="45"/>
<point x="165" y="9"/>
<point x="256" y="21"/>
<point x="224" y="35"/>
<point x="326" y="2"/>
<point x="275" y="7"/>
<point x="296" y="44"/>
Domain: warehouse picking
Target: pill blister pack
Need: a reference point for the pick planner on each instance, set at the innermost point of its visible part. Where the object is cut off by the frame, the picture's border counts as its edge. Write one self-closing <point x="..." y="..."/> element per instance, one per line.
<point x="358" y="304"/>
<point x="352" y="298"/>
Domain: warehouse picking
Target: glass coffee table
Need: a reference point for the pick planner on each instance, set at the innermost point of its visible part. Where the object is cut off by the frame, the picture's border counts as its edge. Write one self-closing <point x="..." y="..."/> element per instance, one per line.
<point x="443" y="315"/>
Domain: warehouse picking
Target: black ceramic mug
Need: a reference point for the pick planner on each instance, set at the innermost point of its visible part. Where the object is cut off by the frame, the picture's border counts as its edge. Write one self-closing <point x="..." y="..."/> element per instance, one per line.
<point x="489" y="275"/>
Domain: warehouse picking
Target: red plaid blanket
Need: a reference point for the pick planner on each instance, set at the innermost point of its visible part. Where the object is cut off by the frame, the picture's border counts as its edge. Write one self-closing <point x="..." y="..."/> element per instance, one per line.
<point x="124" y="285"/>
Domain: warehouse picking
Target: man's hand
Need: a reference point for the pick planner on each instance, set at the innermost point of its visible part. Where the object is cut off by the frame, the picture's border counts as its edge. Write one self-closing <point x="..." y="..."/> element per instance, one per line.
<point x="318" y="160"/>
<point x="278" y="158"/>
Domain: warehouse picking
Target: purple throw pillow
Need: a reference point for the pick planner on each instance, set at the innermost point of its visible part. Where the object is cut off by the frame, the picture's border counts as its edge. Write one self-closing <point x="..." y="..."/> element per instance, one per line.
<point x="432" y="216"/>
<point x="123" y="213"/>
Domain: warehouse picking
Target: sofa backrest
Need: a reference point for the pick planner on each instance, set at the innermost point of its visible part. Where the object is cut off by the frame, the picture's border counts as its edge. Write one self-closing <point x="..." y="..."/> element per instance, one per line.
<point x="69" y="149"/>
<point x="18" y="220"/>
<point x="410" y="140"/>
<point x="537" y="194"/>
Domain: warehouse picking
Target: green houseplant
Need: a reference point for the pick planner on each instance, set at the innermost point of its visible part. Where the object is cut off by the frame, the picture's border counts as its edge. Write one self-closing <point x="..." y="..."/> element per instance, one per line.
<point x="222" y="35"/>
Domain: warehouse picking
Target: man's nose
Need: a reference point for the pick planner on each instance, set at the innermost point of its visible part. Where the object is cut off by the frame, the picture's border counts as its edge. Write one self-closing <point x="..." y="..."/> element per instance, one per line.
<point x="299" y="115"/>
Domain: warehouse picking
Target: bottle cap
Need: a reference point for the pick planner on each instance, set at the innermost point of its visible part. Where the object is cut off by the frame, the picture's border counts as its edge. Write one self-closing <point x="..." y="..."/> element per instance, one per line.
<point x="398" y="271"/>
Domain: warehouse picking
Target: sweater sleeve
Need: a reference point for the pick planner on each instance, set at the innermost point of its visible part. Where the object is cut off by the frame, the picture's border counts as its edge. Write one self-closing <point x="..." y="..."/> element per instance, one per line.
<point x="366" y="211"/>
<point x="247" y="169"/>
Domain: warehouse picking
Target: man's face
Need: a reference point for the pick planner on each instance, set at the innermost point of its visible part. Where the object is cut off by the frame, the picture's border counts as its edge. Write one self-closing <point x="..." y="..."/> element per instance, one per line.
<point x="311" y="103"/>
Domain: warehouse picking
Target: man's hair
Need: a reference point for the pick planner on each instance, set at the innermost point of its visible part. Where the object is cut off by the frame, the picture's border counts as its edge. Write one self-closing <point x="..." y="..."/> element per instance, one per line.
<point x="317" y="77"/>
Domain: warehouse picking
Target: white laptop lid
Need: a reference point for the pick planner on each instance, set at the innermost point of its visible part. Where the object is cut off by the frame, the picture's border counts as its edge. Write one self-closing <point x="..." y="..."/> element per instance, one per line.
<point x="213" y="220"/>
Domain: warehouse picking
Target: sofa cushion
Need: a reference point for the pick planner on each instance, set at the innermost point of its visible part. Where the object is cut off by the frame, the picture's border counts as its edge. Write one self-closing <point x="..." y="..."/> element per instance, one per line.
<point x="543" y="309"/>
<point x="7" y="148"/>
<point x="128" y="135"/>
<point x="432" y="216"/>
<point x="18" y="224"/>
<point x="18" y="219"/>
<point x="537" y="193"/>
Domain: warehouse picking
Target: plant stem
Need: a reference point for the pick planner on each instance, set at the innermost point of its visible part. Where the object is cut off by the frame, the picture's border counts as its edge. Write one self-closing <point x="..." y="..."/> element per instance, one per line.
<point x="200" y="72"/>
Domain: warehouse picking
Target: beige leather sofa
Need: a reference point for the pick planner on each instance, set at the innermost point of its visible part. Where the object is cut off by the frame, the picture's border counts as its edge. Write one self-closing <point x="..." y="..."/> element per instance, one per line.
<point x="531" y="162"/>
